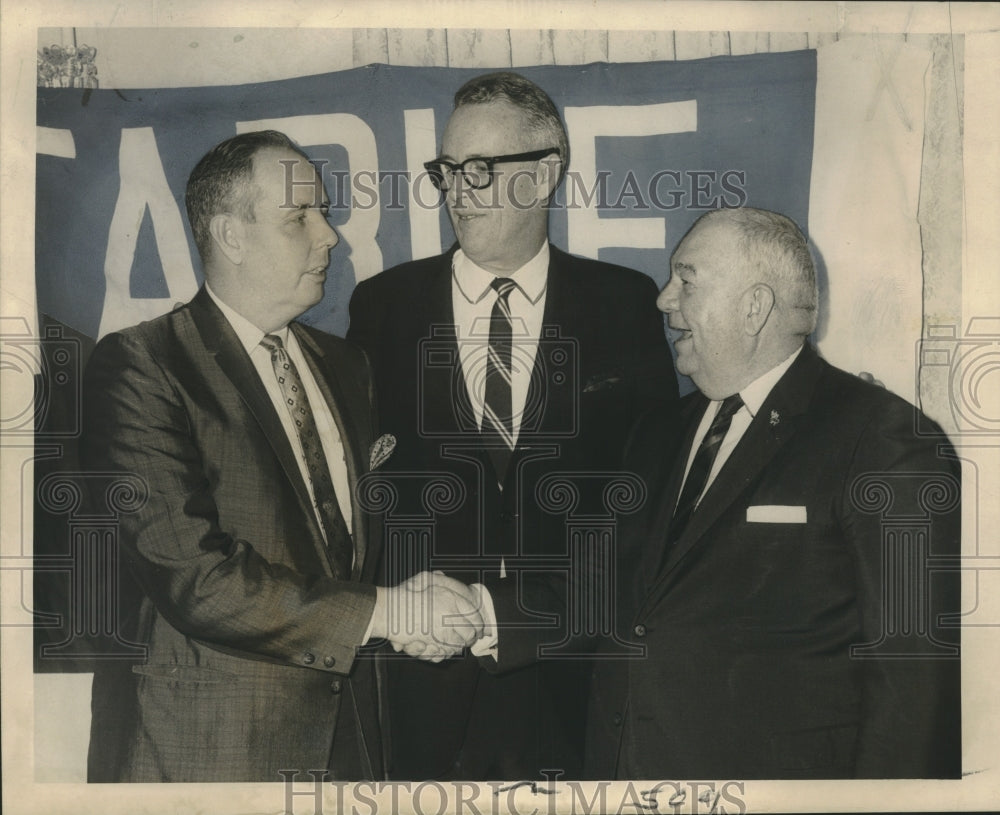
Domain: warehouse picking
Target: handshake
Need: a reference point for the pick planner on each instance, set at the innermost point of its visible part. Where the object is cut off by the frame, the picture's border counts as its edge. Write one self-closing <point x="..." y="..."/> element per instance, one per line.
<point x="430" y="616"/>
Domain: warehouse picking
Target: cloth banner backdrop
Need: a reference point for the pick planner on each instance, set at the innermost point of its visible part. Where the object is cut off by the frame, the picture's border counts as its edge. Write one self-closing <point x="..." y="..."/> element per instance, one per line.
<point x="653" y="145"/>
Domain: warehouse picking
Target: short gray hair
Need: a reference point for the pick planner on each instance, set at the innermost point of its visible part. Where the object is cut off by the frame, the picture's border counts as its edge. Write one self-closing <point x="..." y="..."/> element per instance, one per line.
<point x="540" y="111"/>
<point x="775" y="248"/>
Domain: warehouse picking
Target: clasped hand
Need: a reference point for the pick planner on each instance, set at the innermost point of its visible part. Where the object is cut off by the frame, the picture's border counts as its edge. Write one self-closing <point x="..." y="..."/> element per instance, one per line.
<point x="430" y="616"/>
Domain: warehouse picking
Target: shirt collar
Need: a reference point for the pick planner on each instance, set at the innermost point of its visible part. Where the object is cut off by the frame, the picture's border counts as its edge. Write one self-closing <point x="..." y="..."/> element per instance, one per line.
<point x="474" y="281"/>
<point x="249" y="335"/>
<point x="754" y="394"/>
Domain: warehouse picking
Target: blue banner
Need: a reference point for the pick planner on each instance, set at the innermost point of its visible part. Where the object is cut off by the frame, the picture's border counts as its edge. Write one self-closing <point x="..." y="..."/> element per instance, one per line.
<point x="653" y="145"/>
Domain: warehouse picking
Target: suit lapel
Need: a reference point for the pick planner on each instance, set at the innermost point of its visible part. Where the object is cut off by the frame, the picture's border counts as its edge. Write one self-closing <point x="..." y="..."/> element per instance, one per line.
<point x="221" y="341"/>
<point x="559" y="315"/>
<point x="443" y="392"/>
<point x="775" y="423"/>
<point x="654" y="557"/>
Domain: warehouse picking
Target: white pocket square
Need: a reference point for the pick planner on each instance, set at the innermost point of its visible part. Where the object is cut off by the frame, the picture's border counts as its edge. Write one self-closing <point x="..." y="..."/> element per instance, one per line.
<point x="381" y="450"/>
<point x="776" y="514"/>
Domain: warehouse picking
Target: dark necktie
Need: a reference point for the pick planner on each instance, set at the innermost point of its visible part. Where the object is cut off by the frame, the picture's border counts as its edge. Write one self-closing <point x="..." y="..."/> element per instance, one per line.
<point x="498" y="418"/>
<point x="338" y="539"/>
<point x="697" y="476"/>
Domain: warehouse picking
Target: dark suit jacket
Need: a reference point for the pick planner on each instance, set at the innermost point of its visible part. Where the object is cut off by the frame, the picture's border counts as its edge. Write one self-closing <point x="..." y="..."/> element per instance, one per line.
<point x="602" y="357"/>
<point x="250" y="641"/>
<point x="749" y="627"/>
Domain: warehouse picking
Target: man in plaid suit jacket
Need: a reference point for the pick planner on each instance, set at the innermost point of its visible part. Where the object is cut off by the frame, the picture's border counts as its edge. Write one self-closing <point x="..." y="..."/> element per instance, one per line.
<point x="250" y="594"/>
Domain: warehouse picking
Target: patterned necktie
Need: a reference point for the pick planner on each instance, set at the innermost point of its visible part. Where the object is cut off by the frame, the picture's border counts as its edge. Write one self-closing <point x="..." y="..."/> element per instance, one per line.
<point x="338" y="539"/>
<point x="498" y="419"/>
<point x="697" y="477"/>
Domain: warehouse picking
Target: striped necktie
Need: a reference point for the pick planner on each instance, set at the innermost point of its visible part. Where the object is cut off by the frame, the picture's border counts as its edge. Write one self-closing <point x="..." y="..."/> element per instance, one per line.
<point x="701" y="467"/>
<point x="498" y="411"/>
<point x="338" y="539"/>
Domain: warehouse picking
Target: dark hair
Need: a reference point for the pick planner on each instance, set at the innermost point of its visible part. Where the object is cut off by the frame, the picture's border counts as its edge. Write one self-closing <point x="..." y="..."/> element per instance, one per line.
<point x="540" y="111"/>
<point x="221" y="182"/>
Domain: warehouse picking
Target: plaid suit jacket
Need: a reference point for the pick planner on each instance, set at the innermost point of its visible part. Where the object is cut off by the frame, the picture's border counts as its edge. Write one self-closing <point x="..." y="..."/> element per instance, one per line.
<point x="251" y="643"/>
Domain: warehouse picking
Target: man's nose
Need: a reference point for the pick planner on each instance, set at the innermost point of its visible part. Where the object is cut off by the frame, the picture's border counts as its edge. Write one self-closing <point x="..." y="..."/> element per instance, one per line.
<point x="455" y="194"/>
<point x="667" y="299"/>
<point x="329" y="237"/>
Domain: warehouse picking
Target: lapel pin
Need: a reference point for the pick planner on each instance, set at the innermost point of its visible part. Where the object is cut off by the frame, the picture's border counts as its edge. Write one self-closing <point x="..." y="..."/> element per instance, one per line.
<point x="775" y="418"/>
<point x="381" y="450"/>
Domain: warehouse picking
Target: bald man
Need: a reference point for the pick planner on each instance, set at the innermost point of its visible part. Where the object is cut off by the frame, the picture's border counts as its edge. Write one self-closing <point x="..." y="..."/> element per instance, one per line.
<point x="793" y="573"/>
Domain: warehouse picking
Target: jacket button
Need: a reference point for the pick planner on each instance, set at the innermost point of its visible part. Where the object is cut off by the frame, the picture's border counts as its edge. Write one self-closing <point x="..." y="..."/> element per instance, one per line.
<point x="639" y="630"/>
<point x="618" y="719"/>
<point x="308" y="658"/>
<point x="336" y="686"/>
<point x="329" y="661"/>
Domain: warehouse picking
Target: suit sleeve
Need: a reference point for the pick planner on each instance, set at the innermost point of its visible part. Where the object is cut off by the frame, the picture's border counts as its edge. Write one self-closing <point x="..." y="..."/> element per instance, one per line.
<point x="900" y="487"/>
<point x="208" y="584"/>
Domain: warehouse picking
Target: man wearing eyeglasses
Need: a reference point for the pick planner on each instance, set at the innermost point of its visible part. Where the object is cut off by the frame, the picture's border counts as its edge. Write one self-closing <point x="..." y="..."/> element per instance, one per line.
<point x="510" y="373"/>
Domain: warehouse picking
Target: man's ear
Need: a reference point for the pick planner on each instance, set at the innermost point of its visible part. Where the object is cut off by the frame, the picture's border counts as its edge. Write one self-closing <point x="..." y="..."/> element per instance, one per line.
<point x="228" y="233"/>
<point x="549" y="170"/>
<point x="758" y="303"/>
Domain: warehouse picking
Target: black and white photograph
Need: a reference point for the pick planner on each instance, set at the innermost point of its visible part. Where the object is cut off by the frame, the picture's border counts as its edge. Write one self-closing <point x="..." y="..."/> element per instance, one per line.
<point x="504" y="407"/>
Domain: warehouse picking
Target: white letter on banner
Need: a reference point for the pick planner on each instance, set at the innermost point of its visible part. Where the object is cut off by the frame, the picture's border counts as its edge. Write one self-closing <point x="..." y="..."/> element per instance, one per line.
<point x="587" y="231"/>
<point x="143" y="184"/>
<point x="425" y="221"/>
<point x="356" y="137"/>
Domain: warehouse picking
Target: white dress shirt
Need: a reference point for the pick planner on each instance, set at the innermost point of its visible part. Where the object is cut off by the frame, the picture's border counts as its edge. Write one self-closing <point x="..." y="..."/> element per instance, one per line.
<point x="753" y="396"/>
<point x="472" y="300"/>
<point x="333" y="447"/>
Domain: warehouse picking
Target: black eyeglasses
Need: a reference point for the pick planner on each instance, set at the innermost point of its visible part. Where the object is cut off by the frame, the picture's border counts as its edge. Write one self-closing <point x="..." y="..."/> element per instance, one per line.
<point x="477" y="172"/>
